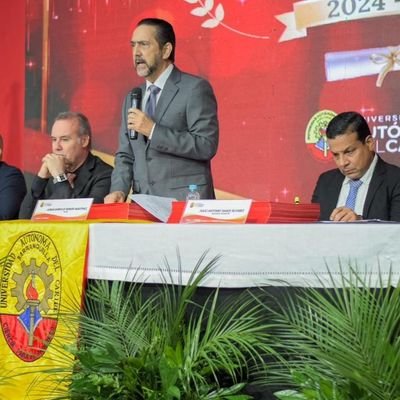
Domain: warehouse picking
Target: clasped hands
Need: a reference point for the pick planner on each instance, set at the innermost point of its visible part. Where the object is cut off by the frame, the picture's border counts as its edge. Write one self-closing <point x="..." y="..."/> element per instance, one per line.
<point x="52" y="165"/>
<point x="139" y="121"/>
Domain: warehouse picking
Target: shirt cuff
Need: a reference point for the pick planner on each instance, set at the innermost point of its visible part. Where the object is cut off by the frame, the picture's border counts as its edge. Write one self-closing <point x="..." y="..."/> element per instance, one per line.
<point x="152" y="130"/>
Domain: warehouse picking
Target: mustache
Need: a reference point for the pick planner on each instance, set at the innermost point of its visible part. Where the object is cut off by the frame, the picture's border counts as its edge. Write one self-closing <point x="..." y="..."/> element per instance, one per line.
<point x="139" y="60"/>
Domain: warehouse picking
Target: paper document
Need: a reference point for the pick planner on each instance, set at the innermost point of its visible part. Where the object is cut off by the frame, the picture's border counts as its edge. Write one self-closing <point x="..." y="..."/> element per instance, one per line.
<point x="361" y="221"/>
<point x="216" y="211"/>
<point x="160" y="207"/>
<point x="61" y="209"/>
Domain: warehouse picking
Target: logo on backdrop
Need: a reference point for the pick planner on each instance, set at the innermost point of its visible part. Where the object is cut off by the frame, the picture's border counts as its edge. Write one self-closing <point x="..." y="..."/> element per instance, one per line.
<point x="315" y="136"/>
<point x="30" y="295"/>
<point x="386" y="132"/>
<point x="385" y="129"/>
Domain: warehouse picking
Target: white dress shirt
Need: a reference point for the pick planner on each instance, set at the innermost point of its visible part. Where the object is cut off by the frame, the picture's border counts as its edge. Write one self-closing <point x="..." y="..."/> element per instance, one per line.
<point x="362" y="191"/>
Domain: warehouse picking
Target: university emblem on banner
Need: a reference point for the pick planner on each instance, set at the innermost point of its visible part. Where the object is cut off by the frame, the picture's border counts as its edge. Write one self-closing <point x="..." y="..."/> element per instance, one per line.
<point x="30" y="295"/>
<point x="315" y="136"/>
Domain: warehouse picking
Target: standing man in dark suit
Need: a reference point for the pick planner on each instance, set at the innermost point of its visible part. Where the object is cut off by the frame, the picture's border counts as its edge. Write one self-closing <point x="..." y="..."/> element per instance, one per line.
<point x="364" y="186"/>
<point x="12" y="188"/>
<point x="71" y="170"/>
<point x="175" y="145"/>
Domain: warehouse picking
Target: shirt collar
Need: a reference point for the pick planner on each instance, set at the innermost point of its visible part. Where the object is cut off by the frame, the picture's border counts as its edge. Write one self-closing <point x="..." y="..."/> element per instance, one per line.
<point x="366" y="178"/>
<point x="162" y="79"/>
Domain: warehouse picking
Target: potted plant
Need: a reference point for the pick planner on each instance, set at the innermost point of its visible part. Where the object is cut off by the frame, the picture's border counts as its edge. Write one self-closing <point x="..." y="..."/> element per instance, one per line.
<point x="341" y="342"/>
<point x="167" y="345"/>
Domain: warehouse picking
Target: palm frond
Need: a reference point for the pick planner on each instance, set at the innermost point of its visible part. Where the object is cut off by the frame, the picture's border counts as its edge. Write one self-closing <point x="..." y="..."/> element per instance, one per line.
<point x="349" y="333"/>
<point x="226" y="341"/>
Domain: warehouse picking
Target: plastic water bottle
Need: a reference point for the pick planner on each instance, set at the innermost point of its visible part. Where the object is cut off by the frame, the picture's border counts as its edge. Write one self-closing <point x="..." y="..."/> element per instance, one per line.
<point x="193" y="194"/>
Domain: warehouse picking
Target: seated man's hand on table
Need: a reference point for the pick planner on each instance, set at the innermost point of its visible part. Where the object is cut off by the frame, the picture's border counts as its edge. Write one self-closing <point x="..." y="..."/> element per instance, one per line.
<point x="343" y="214"/>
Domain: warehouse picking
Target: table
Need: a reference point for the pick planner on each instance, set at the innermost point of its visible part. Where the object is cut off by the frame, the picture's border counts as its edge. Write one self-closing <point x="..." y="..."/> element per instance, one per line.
<point x="251" y="255"/>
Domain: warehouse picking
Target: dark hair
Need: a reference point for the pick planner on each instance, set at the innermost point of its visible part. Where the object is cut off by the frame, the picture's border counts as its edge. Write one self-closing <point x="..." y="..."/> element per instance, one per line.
<point x="348" y="122"/>
<point x="84" y="125"/>
<point x="165" y="33"/>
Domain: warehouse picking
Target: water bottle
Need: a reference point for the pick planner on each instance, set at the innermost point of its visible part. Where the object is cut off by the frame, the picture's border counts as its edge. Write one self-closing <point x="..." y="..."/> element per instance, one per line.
<point x="193" y="194"/>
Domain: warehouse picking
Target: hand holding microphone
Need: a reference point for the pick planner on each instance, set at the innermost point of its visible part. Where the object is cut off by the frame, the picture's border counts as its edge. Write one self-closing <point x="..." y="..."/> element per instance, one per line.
<point x="136" y="100"/>
<point x="138" y="121"/>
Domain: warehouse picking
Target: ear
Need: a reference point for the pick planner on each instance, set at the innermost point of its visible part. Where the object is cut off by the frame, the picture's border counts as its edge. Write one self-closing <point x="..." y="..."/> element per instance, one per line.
<point x="85" y="140"/>
<point x="167" y="50"/>
<point x="370" y="142"/>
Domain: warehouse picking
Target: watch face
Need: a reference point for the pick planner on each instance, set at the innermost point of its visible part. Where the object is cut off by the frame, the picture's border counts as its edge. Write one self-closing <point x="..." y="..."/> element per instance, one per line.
<point x="60" y="178"/>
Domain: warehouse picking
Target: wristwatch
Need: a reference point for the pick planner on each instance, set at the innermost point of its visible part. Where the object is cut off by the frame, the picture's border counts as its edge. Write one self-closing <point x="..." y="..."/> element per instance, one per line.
<point x="60" y="178"/>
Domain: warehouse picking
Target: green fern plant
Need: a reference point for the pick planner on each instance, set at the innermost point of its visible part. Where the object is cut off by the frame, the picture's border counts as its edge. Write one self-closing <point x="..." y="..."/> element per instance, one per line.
<point x="166" y="345"/>
<point x="340" y="343"/>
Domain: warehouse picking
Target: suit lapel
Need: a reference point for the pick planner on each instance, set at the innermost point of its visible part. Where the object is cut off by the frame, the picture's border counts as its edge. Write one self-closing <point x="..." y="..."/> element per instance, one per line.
<point x="376" y="182"/>
<point x="168" y="93"/>
<point x="334" y="190"/>
<point x="84" y="175"/>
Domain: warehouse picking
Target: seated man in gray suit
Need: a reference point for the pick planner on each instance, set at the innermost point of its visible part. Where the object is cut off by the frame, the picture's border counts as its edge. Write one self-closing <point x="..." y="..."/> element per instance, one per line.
<point x="70" y="170"/>
<point x="169" y="145"/>
<point x="363" y="186"/>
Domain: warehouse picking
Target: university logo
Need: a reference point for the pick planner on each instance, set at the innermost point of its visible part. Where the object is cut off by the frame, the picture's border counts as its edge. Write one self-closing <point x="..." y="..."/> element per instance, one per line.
<point x="30" y="295"/>
<point x="315" y="136"/>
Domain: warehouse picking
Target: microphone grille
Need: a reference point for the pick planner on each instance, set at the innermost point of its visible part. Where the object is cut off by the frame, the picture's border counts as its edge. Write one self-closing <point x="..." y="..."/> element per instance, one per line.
<point x="136" y="93"/>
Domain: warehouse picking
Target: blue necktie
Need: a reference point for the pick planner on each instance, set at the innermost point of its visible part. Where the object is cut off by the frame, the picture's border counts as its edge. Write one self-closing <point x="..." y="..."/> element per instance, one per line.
<point x="351" y="198"/>
<point x="152" y="101"/>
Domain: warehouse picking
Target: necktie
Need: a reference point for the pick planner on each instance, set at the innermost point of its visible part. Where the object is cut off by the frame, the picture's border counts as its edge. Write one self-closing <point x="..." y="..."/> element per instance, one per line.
<point x="152" y="101"/>
<point x="71" y="178"/>
<point x="351" y="198"/>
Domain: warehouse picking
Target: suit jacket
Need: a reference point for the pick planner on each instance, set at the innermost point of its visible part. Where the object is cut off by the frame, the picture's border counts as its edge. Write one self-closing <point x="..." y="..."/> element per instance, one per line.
<point x="92" y="180"/>
<point x="12" y="191"/>
<point x="383" y="196"/>
<point x="184" y="141"/>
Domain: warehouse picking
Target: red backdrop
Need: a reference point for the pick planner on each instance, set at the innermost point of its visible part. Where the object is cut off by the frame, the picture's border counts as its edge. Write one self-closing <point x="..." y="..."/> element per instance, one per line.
<point x="273" y="85"/>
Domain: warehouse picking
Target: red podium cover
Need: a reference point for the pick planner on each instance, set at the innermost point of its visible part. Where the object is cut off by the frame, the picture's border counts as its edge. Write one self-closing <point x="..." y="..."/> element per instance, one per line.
<point x="265" y="212"/>
<point x="123" y="211"/>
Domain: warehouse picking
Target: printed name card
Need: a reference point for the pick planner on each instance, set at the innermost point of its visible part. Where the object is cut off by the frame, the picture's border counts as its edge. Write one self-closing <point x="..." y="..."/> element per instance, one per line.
<point x="216" y="211"/>
<point x="62" y="209"/>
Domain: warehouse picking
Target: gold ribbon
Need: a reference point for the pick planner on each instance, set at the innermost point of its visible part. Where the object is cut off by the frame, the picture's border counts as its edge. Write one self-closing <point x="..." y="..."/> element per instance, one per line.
<point x="389" y="61"/>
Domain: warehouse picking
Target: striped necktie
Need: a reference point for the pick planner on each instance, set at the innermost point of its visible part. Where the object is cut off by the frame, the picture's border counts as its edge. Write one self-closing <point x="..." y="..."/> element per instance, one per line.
<point x="352" y="196"/>
<point x="152" y="101"/>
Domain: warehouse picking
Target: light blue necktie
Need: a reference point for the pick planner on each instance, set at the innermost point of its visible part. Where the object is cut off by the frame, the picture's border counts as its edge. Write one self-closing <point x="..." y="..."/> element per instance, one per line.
<point x="352" y="196"/>
<point x="152" y="101"/>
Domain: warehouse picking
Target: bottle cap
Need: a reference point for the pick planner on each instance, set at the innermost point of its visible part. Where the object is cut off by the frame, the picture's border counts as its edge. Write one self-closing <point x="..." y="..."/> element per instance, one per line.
<point x="192" y="187"/>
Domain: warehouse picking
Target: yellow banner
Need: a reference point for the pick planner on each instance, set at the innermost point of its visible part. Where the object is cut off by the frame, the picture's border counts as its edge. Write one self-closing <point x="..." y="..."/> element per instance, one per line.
<point x="310" y="13"/>
<point x="42" y="268"/>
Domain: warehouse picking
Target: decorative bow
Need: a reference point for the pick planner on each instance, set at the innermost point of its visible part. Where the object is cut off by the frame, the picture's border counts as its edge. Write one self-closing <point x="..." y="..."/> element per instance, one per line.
<point x="389" y="61"/>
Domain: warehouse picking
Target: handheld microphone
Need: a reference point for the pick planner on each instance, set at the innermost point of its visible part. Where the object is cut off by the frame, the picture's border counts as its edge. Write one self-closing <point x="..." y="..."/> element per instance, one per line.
<point x="136" y="99"/>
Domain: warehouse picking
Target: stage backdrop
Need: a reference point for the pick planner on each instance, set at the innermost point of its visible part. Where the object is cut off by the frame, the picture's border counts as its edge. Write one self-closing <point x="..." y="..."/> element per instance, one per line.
<point x="280" y="70"/>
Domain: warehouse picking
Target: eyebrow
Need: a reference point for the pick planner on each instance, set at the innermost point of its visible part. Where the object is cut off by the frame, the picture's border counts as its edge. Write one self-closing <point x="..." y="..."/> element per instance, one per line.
<point x="346" y="150"/>
<point x="133" y="42"/>
<point x="60" y="137"/>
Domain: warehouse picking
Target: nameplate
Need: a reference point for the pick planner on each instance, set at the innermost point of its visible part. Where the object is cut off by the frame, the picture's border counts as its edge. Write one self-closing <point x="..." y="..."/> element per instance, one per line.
<point x="216" y="211"/>
<point x="62" y="209"/>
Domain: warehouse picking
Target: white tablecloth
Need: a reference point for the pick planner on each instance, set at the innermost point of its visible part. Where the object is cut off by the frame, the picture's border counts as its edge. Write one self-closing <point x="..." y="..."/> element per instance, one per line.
<point x="251" y="255"/>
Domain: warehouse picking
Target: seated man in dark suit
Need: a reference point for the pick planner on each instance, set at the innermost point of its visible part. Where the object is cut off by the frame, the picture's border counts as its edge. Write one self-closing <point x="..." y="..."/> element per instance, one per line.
<point x="12" y="189"/>
<point x="71" y="170"/>
<point x="363" y="186"/>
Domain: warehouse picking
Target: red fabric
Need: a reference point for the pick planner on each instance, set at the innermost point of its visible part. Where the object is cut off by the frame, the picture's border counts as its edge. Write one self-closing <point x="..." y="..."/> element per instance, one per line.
<point x="267" y="90"/>
<point x="12" y="70"/>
